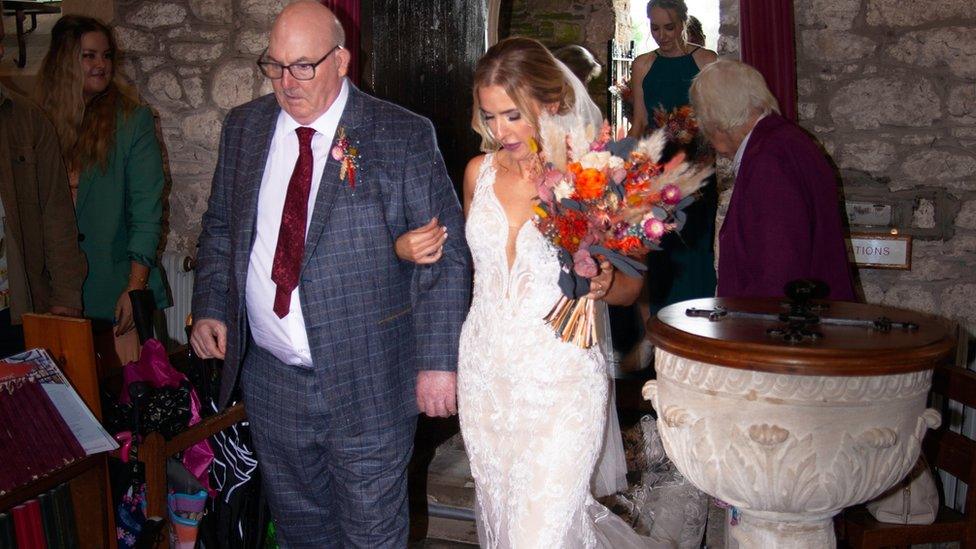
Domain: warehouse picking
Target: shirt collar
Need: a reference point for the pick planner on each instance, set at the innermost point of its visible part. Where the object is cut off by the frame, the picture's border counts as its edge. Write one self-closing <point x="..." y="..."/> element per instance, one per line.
<point x="737" y="160"/>
<point x="327" y="122"/>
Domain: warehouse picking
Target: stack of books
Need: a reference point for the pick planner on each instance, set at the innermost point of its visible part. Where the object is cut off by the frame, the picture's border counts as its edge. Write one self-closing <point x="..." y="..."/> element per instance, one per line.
<point x="45" y="427"/>
<point x="47" y="522"/>
<point x="44" y="424"/>
<point x="35" y="439"/>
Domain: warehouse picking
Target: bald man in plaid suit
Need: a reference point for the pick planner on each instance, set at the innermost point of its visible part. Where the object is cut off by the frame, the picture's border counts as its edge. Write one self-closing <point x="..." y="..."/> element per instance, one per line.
<point x="334" y="342"/>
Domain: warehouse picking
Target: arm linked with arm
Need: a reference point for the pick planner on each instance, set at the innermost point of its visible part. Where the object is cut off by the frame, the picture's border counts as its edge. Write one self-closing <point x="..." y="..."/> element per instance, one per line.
<point x="440" y="291"/>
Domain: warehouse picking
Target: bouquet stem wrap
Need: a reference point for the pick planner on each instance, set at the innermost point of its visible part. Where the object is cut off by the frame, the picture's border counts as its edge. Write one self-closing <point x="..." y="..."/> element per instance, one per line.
<point x="574" y="321"/>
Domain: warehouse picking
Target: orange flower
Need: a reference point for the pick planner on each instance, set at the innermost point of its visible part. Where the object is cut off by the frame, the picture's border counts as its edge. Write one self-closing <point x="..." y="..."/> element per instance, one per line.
<point x="625" y="245"/>
<point x="590" y="184"/>
<point x="575" y="168"/>
<point x="632" y="187"/>
<point x="571" y="229"/>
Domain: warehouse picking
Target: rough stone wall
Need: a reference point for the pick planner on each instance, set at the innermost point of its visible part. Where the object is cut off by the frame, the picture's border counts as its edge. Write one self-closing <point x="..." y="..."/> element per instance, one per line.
<point x="192" y="61"/>
<point x="728" y="39"/>
<point x="589" y="23"/>
<point x="889" y="89"/>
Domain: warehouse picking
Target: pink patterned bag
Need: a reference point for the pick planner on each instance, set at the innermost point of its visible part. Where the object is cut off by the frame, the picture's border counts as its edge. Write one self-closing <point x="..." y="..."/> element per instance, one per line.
<point x="153" y="368"/>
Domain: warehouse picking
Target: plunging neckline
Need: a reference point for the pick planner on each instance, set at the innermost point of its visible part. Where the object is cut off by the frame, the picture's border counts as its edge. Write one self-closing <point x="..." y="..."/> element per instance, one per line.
<point x="518" y="235"/>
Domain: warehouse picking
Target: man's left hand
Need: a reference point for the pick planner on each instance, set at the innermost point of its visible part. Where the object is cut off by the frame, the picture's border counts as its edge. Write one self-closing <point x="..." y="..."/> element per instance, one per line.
<point x="436" y="395"/>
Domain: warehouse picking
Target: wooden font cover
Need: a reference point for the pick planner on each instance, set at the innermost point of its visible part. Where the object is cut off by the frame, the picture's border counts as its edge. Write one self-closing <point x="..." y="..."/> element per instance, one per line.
<point x="742" y="341"/>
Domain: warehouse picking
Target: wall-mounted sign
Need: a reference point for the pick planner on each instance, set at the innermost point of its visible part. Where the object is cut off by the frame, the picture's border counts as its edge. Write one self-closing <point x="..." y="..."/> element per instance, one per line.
<point x="868" y="213"/>
<point x="881" y="251"/>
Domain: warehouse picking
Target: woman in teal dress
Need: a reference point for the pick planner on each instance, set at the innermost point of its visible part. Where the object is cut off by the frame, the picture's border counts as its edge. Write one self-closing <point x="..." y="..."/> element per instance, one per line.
<point x="114" y="165"/>
<point x="661" y="79"/>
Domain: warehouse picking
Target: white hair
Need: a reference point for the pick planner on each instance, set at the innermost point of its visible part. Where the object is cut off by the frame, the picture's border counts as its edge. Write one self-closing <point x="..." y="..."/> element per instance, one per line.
<point x="340" y="33"/>
<point x="727" y="94"/>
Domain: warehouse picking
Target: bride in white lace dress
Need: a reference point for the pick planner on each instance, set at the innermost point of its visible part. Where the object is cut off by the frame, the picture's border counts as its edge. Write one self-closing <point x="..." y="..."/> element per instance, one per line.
<point x="532" y="408"/>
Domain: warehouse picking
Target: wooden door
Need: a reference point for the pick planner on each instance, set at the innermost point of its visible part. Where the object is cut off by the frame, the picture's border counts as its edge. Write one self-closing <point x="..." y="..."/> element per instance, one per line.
<point x="421" y="55"/>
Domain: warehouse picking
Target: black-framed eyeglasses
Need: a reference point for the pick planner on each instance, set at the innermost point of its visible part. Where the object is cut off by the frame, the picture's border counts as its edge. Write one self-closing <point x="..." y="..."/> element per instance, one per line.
<point x="300" y="71"/>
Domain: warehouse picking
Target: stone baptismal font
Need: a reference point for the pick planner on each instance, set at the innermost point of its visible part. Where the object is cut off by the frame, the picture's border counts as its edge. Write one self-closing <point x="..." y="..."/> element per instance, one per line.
<point x="793" y="412"/>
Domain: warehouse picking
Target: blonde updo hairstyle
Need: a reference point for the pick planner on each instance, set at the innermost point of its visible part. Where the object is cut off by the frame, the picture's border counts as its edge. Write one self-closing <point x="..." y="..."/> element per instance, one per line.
<point x="531" y="77"/>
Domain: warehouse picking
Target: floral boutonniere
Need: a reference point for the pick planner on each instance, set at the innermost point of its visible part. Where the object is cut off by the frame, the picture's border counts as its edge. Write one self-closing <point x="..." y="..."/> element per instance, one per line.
<point x="347" y="154"/>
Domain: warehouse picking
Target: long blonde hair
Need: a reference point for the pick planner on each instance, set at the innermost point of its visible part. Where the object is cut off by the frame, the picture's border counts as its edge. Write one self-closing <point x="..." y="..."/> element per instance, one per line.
<point x="528" y="73"/>
<point x="86" y="132"/>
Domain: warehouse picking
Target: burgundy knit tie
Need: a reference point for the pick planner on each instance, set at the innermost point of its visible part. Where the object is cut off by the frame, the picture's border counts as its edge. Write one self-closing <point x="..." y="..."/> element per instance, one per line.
<point x="291" y="234"/>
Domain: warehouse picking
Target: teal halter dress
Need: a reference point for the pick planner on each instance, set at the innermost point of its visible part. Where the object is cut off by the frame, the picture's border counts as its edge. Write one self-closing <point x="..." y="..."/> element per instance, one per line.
<point x="685" y="268"/>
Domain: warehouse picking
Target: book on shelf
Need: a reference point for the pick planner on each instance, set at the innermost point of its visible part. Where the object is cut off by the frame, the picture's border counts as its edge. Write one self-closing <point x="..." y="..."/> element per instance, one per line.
<point x="65" y="516"/>
<point x="44" y="424"/>
<point x="46" y="522"/>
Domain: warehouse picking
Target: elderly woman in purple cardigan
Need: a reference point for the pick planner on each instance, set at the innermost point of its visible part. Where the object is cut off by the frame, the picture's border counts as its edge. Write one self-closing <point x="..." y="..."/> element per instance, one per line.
<point x="783" y="221"/>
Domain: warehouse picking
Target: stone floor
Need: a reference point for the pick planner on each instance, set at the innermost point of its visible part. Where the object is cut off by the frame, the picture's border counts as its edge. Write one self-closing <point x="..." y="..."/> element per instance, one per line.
<point x="447" y="485"/>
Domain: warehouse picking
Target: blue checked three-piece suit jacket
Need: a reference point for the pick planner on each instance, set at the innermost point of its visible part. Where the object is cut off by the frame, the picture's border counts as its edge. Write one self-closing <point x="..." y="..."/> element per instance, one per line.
<point x="372" y="320"/>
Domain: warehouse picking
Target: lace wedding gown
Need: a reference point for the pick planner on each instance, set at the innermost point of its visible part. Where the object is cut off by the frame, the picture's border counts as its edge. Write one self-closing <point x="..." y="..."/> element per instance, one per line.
<point x="532" y="408"/>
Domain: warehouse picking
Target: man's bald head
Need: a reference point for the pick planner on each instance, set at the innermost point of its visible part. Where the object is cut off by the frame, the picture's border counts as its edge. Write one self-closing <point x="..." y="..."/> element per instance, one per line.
<point x="309" y="15"/>
<point x="307" y="32"/>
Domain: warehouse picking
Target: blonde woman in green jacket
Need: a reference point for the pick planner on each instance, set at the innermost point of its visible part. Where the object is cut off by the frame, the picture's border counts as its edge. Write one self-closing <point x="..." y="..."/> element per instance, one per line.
<point x="114" y="166"/>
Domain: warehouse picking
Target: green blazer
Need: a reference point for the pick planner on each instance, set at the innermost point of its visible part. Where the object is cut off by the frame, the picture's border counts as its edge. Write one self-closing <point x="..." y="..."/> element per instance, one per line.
<point x="120" y="215"/>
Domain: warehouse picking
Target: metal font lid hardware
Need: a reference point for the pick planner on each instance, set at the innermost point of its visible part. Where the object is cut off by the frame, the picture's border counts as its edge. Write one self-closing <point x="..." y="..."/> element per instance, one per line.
<point x="804" y="336"/>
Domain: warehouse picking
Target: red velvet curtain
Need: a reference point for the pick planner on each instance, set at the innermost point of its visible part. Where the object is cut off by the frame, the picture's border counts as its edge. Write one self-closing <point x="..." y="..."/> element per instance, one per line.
<point x="348" y="12"/>
<point x="767" y="43"/>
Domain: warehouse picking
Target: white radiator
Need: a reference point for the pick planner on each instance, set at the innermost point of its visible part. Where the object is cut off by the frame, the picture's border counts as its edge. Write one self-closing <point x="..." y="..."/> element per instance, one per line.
<point x="178" y="270"/>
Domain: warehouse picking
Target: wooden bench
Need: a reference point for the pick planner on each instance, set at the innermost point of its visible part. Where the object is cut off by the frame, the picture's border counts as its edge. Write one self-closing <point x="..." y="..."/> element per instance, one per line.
<point x="155" y="450"/>
<point x="946" y="450"/>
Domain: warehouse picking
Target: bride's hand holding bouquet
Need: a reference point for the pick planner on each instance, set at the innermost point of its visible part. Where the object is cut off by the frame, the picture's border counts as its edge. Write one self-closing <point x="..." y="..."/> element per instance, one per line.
<point x="600" y="209"/>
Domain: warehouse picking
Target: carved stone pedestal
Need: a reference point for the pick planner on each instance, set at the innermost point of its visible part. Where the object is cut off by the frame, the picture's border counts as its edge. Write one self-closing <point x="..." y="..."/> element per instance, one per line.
<point x="788" y="451"/>
<point x="775" y="432"/>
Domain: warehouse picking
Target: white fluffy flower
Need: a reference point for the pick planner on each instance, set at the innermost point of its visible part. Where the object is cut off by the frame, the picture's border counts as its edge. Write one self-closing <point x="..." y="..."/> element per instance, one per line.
<point x="595" y="159"/>
<point x="562" y="190"/>
<point x="579" y="142"/>
<point x="615" y="162"/>
<point x="653" y="145"/>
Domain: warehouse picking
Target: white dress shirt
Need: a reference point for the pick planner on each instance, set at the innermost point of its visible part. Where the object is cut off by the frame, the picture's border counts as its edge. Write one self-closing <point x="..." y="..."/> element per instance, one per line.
<point x="285" y="337"/>
<point x="737" y="161"/>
